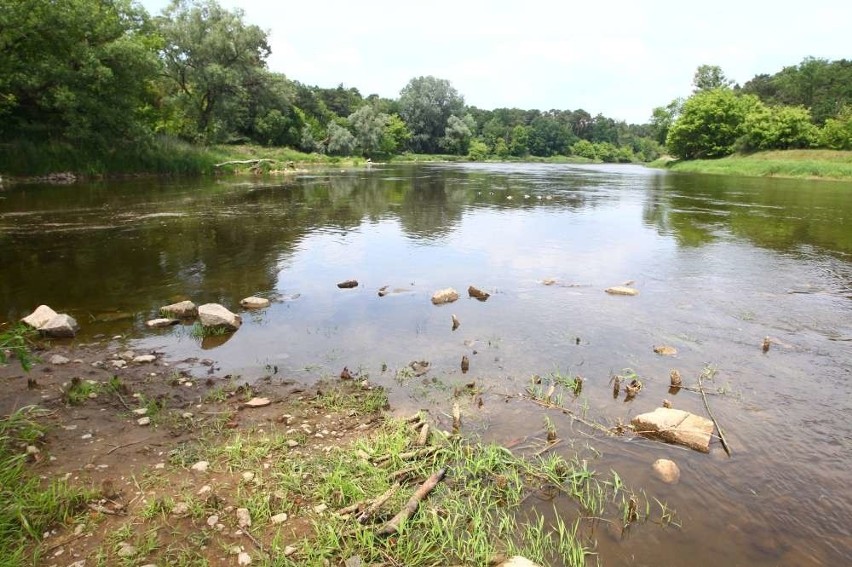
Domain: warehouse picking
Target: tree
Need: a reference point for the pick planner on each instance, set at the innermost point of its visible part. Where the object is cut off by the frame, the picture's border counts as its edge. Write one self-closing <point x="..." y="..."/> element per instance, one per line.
<point x="396" y="135"/>
<point x="368" y="125"/>
<point x="778" y="127"/>
<point x="75" y="70"/>
<point x="584" y="148"/>
<point x="210" y="58"/>
<point x="709" y="77"/>
<point x="426" y="104"/>
<point x="478" y="150"/>
<point x="710" y="124"/>
<point x="340" y="141"/>
<point x="662" y="119"/>
<point x="837" y="132"/>
<point x="457" y="134"/>
<point x="519" y="145"/>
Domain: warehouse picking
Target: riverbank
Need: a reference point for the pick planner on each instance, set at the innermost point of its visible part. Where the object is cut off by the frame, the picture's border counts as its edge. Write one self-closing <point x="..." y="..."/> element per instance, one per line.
<point x="804" y="164"/>
<point x="120" y="457"/>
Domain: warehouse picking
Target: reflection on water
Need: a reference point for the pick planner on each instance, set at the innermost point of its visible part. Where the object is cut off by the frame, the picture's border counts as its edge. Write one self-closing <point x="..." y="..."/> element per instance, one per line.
<point x="720" y="263"/>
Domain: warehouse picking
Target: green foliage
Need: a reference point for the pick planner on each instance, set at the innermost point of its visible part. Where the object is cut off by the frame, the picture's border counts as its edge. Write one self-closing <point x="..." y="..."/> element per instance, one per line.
<point x="837" y="132"/>
<point x="584" y="148"/>
<point x="777" y="128"/>
<point x="710" y="125"/>
<point x="369" y="126"/>
<point x="519" y="145"/>
<point x="17" y="341"/>
<point x="478" y="150"/>
<point x="662" y="119"/>
<point x="340" y="142"/>
<point x="396" y="135"/>
<point x="457" y="134"/>
<point x="710" y="77"/>
<point x="426" y="104"/>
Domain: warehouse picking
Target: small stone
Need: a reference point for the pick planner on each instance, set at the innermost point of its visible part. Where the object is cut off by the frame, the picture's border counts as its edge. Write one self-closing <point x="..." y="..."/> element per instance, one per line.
<point x="160" y="466"/>
<point x="119" y="363"/>
<point x="32" y="450"/>
<point x="144" y="358"/>
<point x="518" y="561"/>
<point x="204" y="490"/>
<point x="140" y="411"/>
<point x="80" y="563"/>
<point x="180" y="509"/>
<point x="59" y="360"/>
<point x="254" y="302"/>
<point x="289" y="550"/>
<point x="39" y="317"/>
<point x="183" y="309"/>
<point x="320" y="508"/>
<point x="354" y="561"/>
<point x="143" y="421"/>
<point x="348" y="284"/>
<point x="186" y="415"/>
<point x="86" y="436"/>
<point x="243" y="518"/>
<point x="279" y="518"/>
<point x="127" y="355"/>
<point x="162" y="322"/>
<point x="292" y="443"/>
<point x="217" y="316"/>
<point x="447" y="295"/>
<point x="243" y="558"/>
<point x="200" y="466"/>
<point x="213" y="520"/>
<point x="93" y="395"/>
<point x="248" y="476"/>
<point x="548" y="281"/>
<point x="621" y="290"/>
<point x="666" y="470"/>
<point x="477" y="293"/>
<point x="126" y="550"/>
<point x="665" y="350"/>
<point x="257" y="402"/>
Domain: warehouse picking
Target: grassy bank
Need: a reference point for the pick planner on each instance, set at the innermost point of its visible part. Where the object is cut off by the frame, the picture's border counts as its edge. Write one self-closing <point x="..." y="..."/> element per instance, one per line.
<point x="808" y="164"/>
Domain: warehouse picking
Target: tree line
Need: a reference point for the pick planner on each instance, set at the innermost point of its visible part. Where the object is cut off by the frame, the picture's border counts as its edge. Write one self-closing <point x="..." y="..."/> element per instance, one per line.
<point x="802" y="106"/>
<point x="106" y="75"/>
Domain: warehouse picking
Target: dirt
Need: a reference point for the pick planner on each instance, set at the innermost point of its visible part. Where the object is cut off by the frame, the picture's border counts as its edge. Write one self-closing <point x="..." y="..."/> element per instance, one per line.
<point x="97" y="443"/>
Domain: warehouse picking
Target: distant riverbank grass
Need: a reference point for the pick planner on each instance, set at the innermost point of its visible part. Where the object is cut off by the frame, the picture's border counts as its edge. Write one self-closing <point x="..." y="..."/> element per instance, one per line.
<point x="810" y="164"/>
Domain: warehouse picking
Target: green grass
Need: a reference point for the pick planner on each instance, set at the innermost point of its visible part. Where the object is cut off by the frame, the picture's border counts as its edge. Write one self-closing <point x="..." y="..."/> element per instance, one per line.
<point x="808" y="164"/>
<point x="28" y="506"/>
<point x="17" y="340"/>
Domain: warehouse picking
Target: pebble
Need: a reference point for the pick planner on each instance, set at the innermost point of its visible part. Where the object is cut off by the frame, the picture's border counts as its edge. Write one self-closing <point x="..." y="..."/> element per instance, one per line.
<point x="243" y="558"/>
<point x="32" y="450"/>
<point x="200" y="466"/>
<point x="145" y="358"/>
<point x="289" y="550"/>
<point x="86" y="436"/>
<point x="160" y="466"/>
<point x="248" y="476"/>
<point x="279" y="518"/>
<point x="144" y="421"/>
<point x="257" y="402"/>
<point x="204" y="490"/>
<point x="58" y="359"/>
<point x="180" y="509"/>
<point x="292" y="443"/>
<point x="243" y="518"/>
<point x="126" y="550"/>
<point x="119" y="363"/>
<point x="320" y="508"/>
<point x="140" y="411"/>
<point x="213" y="520"/>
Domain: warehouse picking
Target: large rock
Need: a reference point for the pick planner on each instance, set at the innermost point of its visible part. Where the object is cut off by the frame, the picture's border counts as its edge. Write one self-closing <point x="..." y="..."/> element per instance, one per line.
<point x="182" y="309"/>
<point x="215" y="315"/>
<point x="445" y="296"/>
<point x="60" y="326"/>
<point x="38" y="318"/>
<point x="666" y="470"/>
<point x="254" y="302"/>
<point x="676" y="426"/>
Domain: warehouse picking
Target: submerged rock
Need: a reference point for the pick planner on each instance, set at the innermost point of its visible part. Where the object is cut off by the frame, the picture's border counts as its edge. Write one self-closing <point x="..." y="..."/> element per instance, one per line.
<point x="254" y="302"/>
<point x="144" y="358"/>
<point x="447" y="295"/>
<point x="621" y="290"/>
<point x="215" y="315"/>
<point x="665" y="350"/>
<point x="59" y="360"/>
<point x="60" y="326"/>
<point x="157" y="323"/>
<point x="183" y="309"/>
<point x="477" y="293"/>
<point x="39" y="317"/>
<point x="676" y="426"/>
<point x="348" y="284"/>
<point x="666" y="470"/>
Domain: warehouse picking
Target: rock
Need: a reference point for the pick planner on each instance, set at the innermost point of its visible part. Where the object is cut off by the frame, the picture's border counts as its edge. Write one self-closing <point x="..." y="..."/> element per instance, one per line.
<point x="548" y="281"/>
<point x="158" y="323"/>
<point x="213" y="520"/>
<point x="279" y="518"/>
<point x="518" y="561"/>
<point x="243" y="518"/>
<point x="478" y="293"/>
<point x="39" y="317"/>
<point x="383" y="291"/>
<point x="243" y="558"/>
<point x="200" y="466"/>
<point x="354" y="561"/>
<point x="456" y="322"/>
<point x="248" y="476"/>
<point x="144" y="358"/>
<point x="215" y="315"/>
<point x="621" y="290"/>
<point x="257" y="403"/>
<point x="182" y="309"/>
<point x="60" y="326"/>
<point x="144" y="421"/>
<point x="676" y="426"/>
<point x="119" y="363"/>
<point x="254" y="302"/>
<point x="348" y="284"/>
<point x="420" y="367"/>
<point x="126" y="550"/>
<point x="289" y="550"/>
<point x="345" y="374"/>
<point x="127" y="355"/>
<point x="666" y="470"/>
<point x="59" y="359"/>
<point x="447" y="295"/>
<point x="180" y="509"/>
<point x="292" y="443"/>
<point x="665" y="350"/>
<point x="320" y="508"/>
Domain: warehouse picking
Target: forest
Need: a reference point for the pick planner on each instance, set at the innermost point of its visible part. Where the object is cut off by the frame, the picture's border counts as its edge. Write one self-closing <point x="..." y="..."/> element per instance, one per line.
<point x="103" y="86"/>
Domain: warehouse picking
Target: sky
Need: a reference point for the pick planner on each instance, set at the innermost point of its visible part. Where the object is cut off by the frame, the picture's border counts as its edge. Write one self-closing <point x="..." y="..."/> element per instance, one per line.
<point x="619" y="58"/>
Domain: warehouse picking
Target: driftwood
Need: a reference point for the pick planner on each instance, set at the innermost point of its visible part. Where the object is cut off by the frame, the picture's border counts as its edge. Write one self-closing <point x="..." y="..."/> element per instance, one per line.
<point x="424" y="436"/>
<point x="245" y="162"/>
<point x="456" y="418"/>
<point x="392" y="526"/>
<point x="712" y="417"/>
<point x="377" y="503"/>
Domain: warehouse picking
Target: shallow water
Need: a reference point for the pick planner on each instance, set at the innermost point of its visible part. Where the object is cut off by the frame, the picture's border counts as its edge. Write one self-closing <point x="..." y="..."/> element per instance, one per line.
<point x="720" y="263"/>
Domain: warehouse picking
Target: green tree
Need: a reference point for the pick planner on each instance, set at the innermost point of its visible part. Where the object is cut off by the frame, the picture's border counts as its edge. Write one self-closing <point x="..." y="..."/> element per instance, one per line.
<point x="210" y="57"/>
<point x="710" y="125"/>
<point x="368" y="125"/>
<point x="662" y="119"/>
<point x="519" y="144"/>
<point x="340" y="141"/>
<point x="478" y="150"/>
<point x="426" y="104"/>
<point x="778" y="127"/>
<point x="457" y="134"/>
<point x="396" y="135"/>
<point x="837" y="132"/>
<point x="709" y="77"/>
<point x="584" y="148"/>
<point x="501" y="150"/>
<point x="75" y="70"/>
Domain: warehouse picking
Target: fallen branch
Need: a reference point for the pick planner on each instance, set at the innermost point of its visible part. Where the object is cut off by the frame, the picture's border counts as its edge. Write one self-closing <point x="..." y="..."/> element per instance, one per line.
<point x="712" y="417"/>
<point x="550" y="445"/>
<point x="572" y="415"/>
<point x="424" y="436"/>
<point x="244" y="162"/>
<point x="117" y="447"/>
<point x="410" y="507"/>
<point x="377" y="503"/>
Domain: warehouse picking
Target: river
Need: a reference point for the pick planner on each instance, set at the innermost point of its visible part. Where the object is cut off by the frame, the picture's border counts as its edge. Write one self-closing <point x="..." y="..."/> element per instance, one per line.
<point x="719" y="263"/>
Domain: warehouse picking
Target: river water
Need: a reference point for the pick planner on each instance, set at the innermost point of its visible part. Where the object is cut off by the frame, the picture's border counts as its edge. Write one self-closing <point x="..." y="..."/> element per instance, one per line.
<point x="720" y="263"/>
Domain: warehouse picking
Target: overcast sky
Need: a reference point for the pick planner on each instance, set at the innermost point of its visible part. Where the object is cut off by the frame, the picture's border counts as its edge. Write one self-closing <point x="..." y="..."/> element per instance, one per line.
<point x="620" y="58"/>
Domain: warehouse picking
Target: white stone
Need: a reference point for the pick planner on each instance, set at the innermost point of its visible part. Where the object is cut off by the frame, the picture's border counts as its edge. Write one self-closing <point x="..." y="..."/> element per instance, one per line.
<point x="621" y="290"/>
<point x="59" y="359"/>
<point x="200" y="466"/>
<point x="254" y="302"/>
<point x="243" y="558"/>
<point x="257" y="402"/>
<point x="60" y="326"/>
<point x="676" y="426"/>
<point x="144" y="421"/>
<point x="213" y="520"/>
<point x="666" y="470"/>
<point x="289" y="550"/>
<point x="39" y="317"/>
<point x="180" y="509"/>
<point x="248" y="476"/>
<point x="144" y="358"/>
<point x="126" y="550"/>
<point x="243" y="518"/>
<point x="156" y="323"/>
<point x="32" y="450"/>
<point x="215" y="315"/>
<point x="119" y="363"/>
<point x="518" y="561"/>
<point x="447" y="295"/>
<point x="279" y="518"/>
<point x="183" y="309"/>
<point x="320" y="508"/>
<point x="292" y="443"/>
<point x="86" y="436"/>
<point x="204" y="490"/>
<point x="140" y="411"/>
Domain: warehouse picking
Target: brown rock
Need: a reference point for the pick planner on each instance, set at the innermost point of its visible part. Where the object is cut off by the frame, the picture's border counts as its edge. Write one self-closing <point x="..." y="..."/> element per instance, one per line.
<point x="666" y="470"/>
<point x="447" y="295"/>
<point x="348" y="284"/>
<point x="477" y="293"/>
<point x="215" y="315"/>
<point x="257" y="402"/>
<point x="60" y="326"/>
<point x="665" y="350"/>
<point x="254" y="302"/>
<point x="183" y="309"/>
<point x="676" y="426"/>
